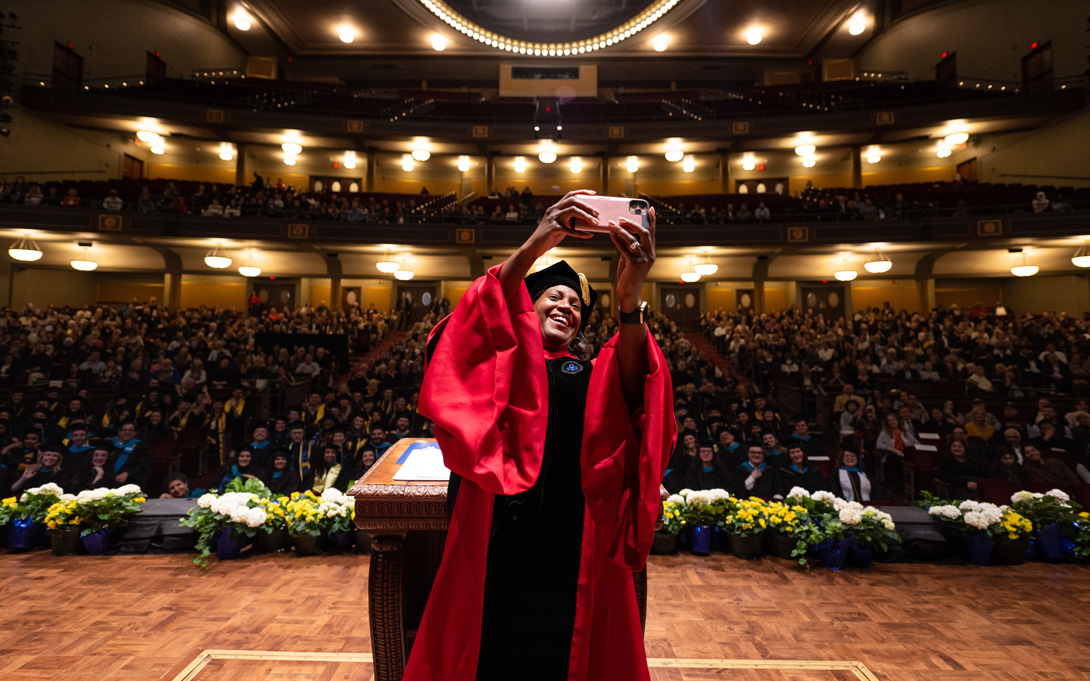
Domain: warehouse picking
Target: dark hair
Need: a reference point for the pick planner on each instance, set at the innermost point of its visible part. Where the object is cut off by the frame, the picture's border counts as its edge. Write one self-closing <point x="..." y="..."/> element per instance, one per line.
<point x="176" y="476"/>
<point x="580" y="347"/>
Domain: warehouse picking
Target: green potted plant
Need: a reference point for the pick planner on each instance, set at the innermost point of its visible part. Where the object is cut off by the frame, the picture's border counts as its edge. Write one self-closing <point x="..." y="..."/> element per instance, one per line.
<point x="26" y="514"/>
<point x="306" y="525"/>
<point x="746" y="520"/>
<point x="225" y="522"/>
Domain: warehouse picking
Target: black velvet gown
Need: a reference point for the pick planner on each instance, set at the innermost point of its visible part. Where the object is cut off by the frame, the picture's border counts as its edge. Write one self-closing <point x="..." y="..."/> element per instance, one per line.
<point x="534" y="548"/>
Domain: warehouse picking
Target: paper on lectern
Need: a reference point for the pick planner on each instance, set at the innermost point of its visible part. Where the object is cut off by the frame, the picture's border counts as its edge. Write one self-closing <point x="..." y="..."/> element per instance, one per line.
<point x="425" y="463"/>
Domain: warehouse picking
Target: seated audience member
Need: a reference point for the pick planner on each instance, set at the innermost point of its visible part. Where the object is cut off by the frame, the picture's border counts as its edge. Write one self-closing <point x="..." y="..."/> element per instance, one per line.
<point x="706" y="471"/>
<point x="755" y="477"/>
<point x="93" y="472"/>
<point x="328" y="472"/>
<point x="1006" y="467"/>
<point x="729" y="450"/>
<point x="279" y="478"/>
<point x="799" y="473"/>
<point x="849" y="415"/>
<point x="243" y="467"/>
<point x="46" y="469"/>
<point x="978" y="425"/>
<point x="847" y="480"/>
<point x="802" y="437"/>
<point x="893" y="439"/>
<point x="177" y="487"/>
<point x="1039" y="469"/>
<point x="130" y="459"/>
<point x="959" y="470"/>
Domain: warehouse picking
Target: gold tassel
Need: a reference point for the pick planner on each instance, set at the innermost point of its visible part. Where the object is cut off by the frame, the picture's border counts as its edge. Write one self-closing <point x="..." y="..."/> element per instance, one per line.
<point x="585" y="286"/>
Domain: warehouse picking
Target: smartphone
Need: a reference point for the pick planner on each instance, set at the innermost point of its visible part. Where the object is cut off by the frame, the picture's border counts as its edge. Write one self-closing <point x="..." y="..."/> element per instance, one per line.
<point x="612" y="208"/>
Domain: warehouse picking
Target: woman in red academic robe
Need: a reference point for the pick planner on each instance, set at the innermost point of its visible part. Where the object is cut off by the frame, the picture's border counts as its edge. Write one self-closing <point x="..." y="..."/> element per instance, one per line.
<point x="556" y="462"/>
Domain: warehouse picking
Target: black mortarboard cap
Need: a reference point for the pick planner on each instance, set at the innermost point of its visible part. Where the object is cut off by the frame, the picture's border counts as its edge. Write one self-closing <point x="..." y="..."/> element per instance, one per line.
<point x="562" y="274"/>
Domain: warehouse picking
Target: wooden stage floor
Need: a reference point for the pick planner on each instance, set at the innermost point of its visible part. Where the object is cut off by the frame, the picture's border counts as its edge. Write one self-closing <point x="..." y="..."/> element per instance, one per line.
<point x="137" y="618"/>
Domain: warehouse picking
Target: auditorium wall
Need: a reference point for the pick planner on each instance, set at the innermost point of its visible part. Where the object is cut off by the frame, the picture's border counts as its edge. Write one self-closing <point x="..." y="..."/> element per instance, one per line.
<point x="211" y="290"/>
<point x="1059" y="293"/>
<point x="51" y="287"/>
<point x="1054" y="155"/>
<point x="114" y="37"/>
<point x="989" y="36"/>
<point x="901" y="294"/>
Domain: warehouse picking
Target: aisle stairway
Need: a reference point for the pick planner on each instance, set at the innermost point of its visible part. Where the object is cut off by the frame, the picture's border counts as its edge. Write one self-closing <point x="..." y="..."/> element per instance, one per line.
<point x="371" y="357"/>
<point x="714" y="357"/>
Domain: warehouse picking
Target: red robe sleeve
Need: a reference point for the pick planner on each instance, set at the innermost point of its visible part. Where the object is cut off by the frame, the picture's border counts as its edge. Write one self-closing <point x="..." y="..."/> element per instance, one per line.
<point x="624" y="455"/>
<point x="486" y="389"/>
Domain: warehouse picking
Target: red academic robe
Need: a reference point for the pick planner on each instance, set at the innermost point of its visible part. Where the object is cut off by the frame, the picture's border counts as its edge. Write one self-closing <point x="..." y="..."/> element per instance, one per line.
<point x="487" y="392"/>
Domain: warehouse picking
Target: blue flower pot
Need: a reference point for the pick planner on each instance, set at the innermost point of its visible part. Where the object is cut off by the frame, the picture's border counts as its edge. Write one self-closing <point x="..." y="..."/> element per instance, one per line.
<point x="978" y="549"/>
<point x="228" y="547"/>
<point x="861" y="556"/>
<point x="1053" y="545"/>
<point x="702" y="540"/>
<point x="340" y="541"/>
<point x="833" y="554"/>
<point x="95" y="542"/>
<point x="23" y="535"/>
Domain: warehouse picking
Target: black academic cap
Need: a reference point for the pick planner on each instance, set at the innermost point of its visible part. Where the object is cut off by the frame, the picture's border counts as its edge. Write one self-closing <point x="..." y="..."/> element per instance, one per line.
<point x="297" y="425"/>
<point x="562" y="274"/>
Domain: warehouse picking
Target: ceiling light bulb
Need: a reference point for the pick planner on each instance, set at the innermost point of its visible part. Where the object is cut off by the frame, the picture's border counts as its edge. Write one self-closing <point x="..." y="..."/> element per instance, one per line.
<point x="84" y="263"/>
<point x="147" y="136"/>
<point x="350" y="163"/>
<point x="754" y="36"/>
<point x="706" y="269"/>
<point x="226" y="155"/>
<point x="943" y="152"/>
<point x="407" y="164"/>
<point x="661" y="43"/>
<point x="748" y="163"/>
<point x="873" y="158"/>
<point x="633" y="164"/>
<point x="463" y="164"/>
<point x="520" y="165"/>
<point x="547" y="156"/>
<point x="857" y="25"/>
<point x="576" y="166"/>
<point x="805" y="150"/>
<point x="809" y="162"/>
<point x="439" y="43"/>
<point x="421" y="155"/>
<point x="404" y="275"/>
<point x="25" y="250"/>
<point x="289" y="160"/>
<point x="216" y="259"/>
<point x="878" y="264"/>
<point x="291" y="148"/>
<point x="249" y="269"/>
<point x="387" y="266"/>
<point x="956" y="139"/>
<point x="690" y="277"/>
<point x="674" y="155"/>
<point x="347" y="34"/>
<point x="243" y="21"/>
<point x="688" y="165"/>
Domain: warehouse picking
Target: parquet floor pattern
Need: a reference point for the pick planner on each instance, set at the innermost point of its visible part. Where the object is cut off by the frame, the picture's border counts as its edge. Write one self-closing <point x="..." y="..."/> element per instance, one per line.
<point x="147" y="617"/>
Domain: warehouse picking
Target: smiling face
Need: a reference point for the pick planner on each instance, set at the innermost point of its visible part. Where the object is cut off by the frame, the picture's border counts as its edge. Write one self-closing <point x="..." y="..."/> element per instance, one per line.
<point x="559" y="311"/>
<point x="849" y="459"/>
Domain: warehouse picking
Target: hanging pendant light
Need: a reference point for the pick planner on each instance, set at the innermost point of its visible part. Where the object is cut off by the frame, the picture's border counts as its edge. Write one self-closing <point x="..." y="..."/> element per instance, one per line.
<point x="878" y="264"/>
<point x="84" y="263"/>
<point x="705" y="269"/>
<point x="216" y="259"/>
<point x="1025" y="269"/>
<point x="387" y="266"/>
<point x="404" y="273"/>
<point x="249" y="269"/>
<point x="1082" y="256"/>
<point x="690" y="277"/>
<point x="25" y="250"/>
<point x="845" y="273"/>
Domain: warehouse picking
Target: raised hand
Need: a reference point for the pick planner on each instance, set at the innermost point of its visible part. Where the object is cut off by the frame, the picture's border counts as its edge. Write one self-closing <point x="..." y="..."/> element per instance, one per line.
<point x="636" y="244"/>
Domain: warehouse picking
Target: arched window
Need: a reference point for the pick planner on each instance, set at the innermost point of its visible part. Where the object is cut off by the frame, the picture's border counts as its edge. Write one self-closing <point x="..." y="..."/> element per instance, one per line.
<point x="743" y="189"/>
<point x="354" y="188"/>
<point x="761" y="189"/>
<point x="336" y="187"/>
<point x="779" y="188"/>
<point x="318" y="186"/>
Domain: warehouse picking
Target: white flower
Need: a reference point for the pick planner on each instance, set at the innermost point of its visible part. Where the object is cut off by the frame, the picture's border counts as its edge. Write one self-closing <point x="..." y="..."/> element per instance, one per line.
<point x="1058" y="494"/>
<point x="685" y="492"/>
<point x="798" y="493"/>
<point x="850" y="515"/>
<point x="332" y="494"/>
<point x="130" y="489"/>
<point x="888" y="524"/>
<point x="68" y="497"/>
<point x="719" y="494"/>
<point x="675" y="499"/>
<point x="977" y="519"/>
<point x="255" y="517"/>
<point x="826" y="497"/>
<point x="48" y="488"/>
<point x="949" y="511"/>
<point x="240" y="514"/>
<point x="1021" y="496"/>
<point x="206" y="500"/>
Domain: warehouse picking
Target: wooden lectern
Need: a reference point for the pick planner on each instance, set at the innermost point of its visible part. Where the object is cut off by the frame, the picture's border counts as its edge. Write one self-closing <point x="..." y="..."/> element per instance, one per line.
<point x="407" y="522"/>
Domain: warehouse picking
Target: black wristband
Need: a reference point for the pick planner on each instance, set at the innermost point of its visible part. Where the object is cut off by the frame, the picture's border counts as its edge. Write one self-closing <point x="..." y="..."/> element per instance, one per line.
<point x="639" y="316"/>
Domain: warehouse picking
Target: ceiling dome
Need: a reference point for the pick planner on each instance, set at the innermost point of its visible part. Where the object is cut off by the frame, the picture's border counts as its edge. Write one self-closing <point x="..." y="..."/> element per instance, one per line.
<point x="549" y="20"/>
